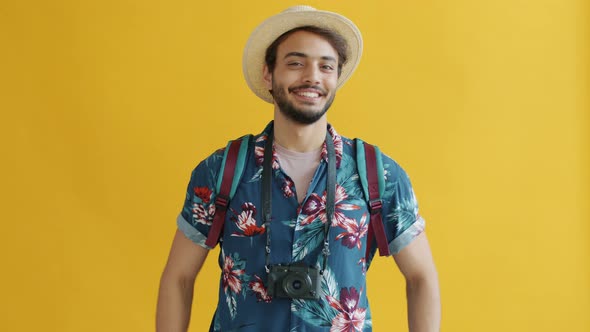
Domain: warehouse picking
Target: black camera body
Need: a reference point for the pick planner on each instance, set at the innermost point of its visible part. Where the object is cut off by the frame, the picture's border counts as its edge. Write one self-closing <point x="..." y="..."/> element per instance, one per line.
<point x="294" y="281"/>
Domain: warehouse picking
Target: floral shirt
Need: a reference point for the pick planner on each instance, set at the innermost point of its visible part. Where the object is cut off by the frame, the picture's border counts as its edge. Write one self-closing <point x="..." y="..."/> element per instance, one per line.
<point x="297" y="234"/>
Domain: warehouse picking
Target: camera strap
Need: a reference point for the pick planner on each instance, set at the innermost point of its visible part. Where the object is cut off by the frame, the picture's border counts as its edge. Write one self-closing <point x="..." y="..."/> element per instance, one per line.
<point x="267" y="195"/>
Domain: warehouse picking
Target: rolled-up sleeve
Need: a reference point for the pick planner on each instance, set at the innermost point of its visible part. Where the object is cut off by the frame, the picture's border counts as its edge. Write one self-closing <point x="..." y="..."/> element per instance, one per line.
<point x="402" y="221"/>
<point x="198" y="210"/>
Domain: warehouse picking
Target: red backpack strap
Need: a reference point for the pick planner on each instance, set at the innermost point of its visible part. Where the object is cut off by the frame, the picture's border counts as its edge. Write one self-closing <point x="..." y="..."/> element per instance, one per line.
<point x="223" y="196"/>
<point x="375" y="203"/>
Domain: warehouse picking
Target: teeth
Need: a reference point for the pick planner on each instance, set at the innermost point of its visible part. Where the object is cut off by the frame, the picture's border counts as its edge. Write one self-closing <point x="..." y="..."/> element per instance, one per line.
<point x="309" y="94"/>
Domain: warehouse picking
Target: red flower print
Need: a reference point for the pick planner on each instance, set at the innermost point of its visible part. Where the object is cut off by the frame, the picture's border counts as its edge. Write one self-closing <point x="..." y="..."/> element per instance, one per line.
<point x="246" y="222"/>
<point x="231" y="277"/>
<point x="204" y="213"/>
<point x="350" y="318"/>
<point x="354" y="232"/>
<point x="288" y="188"/>
<point x="315" y="207"/>
<point x="259" y="153"/>
<point x="204" y="193"/>
<point x="337" y="146"/>
<point x="257" y="286"/>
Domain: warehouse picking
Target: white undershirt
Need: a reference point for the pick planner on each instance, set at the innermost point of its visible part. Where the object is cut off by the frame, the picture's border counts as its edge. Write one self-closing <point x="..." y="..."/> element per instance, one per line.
<point x="299" y="166"/>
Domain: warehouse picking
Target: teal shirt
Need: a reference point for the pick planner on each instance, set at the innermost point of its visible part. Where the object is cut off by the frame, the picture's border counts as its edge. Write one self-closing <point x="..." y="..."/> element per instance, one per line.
<point x="297" y="234"/>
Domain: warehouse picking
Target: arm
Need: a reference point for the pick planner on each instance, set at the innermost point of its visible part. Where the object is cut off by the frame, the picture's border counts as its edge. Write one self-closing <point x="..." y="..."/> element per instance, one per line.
<point x="176" y="286"/>
<point x="416" y="264"/>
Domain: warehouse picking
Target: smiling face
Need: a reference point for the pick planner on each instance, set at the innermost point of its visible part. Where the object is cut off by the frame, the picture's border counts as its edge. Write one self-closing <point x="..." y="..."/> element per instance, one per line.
<point x="304" y="78"/>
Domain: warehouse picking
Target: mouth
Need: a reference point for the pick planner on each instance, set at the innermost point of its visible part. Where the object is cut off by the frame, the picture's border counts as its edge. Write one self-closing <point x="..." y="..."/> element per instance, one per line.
<point x="308" y="93"/>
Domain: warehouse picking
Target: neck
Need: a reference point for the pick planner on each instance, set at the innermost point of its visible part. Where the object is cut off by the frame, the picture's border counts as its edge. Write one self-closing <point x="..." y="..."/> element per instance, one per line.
<point x="299" y="137"/>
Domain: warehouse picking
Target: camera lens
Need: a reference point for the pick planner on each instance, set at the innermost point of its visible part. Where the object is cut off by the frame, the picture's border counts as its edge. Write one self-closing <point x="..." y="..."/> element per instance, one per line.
<point x="296" y="284"/>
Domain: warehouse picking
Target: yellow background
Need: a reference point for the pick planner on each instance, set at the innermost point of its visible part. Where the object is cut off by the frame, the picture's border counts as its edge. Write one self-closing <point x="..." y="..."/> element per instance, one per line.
<point x="106" y="106"/>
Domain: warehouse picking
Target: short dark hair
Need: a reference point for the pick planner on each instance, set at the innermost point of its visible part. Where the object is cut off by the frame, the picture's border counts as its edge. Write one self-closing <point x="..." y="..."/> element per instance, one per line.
<point x="335" y="39"/>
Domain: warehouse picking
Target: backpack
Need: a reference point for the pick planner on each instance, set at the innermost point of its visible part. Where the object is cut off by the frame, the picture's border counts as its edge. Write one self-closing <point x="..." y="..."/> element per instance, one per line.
<point x="369" y="167"/>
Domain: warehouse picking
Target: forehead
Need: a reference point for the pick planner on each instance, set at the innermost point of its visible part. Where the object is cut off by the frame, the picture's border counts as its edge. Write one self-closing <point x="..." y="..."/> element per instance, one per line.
<point x="308" y="43"/>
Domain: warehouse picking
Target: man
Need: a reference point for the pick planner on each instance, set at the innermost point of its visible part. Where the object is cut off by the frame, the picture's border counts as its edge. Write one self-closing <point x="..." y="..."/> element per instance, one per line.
<point x="304" y="268"/>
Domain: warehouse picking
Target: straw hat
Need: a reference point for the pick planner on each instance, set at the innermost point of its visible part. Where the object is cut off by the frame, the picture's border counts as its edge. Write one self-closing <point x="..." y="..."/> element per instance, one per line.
<point x="293" y="17"/>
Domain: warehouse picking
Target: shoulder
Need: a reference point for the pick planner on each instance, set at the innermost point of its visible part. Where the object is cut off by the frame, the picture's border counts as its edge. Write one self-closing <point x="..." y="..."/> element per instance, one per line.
<point x="390" y="166"/>
<point x="392" y="169"/>
<point x="205" y="173"/>
<point x="393" y="173"/>
<point x="212" y="161"/>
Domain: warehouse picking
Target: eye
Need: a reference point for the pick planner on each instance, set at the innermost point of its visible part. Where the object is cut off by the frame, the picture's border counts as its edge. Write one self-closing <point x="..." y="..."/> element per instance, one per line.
<point x="294" y="64"/>
<point x="327" y="67"/>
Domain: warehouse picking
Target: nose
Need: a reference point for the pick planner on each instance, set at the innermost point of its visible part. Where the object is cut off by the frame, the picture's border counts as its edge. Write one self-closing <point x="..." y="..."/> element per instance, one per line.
<point x="311" y="75"/>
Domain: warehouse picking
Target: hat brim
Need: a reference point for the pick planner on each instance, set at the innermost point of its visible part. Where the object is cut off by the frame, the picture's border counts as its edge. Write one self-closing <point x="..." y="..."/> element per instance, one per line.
<point x="269" y="30"/>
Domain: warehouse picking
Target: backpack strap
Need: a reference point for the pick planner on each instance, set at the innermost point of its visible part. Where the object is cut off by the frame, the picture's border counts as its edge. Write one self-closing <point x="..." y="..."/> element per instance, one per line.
<point x="370" y="168"/>
<point x="232" y="167"/>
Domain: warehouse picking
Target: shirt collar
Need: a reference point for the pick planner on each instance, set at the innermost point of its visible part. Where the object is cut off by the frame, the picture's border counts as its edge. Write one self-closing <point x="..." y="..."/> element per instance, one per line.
<point x="337" y="139"/>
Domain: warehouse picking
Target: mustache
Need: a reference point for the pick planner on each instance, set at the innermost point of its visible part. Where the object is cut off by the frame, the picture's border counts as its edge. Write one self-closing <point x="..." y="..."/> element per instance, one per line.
<point x="307" y="86"/>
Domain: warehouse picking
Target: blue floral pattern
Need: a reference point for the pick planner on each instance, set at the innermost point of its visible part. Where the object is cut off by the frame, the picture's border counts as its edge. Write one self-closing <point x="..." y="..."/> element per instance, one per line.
<point x="297" y="235"/>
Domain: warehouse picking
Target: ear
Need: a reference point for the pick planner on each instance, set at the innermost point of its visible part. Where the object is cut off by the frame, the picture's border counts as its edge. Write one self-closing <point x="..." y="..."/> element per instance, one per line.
<point x="267" y="76"/>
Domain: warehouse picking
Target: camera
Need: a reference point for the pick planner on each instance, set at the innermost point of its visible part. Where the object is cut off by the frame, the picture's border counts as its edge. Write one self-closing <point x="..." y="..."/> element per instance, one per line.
<point x="294" y="281"/>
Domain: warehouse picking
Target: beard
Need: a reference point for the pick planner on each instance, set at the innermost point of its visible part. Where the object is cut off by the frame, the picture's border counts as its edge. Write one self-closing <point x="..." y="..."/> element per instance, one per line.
<point x="298" y="115"/>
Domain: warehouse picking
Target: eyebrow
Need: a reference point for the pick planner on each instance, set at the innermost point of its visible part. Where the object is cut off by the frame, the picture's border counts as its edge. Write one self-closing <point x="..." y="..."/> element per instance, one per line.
<point x="303" y="55"/>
